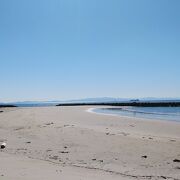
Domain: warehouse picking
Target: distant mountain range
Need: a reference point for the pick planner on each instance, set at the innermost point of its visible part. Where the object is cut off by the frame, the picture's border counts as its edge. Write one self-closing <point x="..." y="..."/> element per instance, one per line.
<point x="113" y="100"/>
<point x="89" y="100"/>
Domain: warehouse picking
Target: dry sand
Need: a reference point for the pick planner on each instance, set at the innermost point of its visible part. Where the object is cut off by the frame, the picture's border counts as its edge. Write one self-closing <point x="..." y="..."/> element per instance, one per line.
<point x="71" y="143"/>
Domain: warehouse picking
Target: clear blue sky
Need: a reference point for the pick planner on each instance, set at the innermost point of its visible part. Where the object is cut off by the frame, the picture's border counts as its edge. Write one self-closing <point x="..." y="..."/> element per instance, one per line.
<point x="69" y="49"/>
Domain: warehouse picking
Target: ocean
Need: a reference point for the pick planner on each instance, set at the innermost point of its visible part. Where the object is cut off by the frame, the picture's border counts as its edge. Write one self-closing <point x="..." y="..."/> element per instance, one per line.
<point x="159" y="113"/>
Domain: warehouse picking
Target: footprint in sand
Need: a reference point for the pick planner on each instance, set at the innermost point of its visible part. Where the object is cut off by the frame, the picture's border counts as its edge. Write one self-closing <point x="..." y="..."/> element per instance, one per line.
<point x="177" y="168"/>
<point x="63" y="152"/>
<point x="19" y="128"/>
<point x="101" y="161"/>
<point x="110" y="134"/>
<point x="124" y="134"/>
<point x="28" y="142"/>
<point x="48" y="150"/>
<point x="67" y="125"/>
<point x="48" y="124"/>
<point x="3" y="140"/>
<point x="172" y="140"/>
<point x="53" y="157"/>
<point x="132" y="125"/>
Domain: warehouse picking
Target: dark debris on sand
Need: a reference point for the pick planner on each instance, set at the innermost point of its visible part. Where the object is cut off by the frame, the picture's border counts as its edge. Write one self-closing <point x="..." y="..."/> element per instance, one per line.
<point x="145" y="157"/>
<point x="176" y="160"/>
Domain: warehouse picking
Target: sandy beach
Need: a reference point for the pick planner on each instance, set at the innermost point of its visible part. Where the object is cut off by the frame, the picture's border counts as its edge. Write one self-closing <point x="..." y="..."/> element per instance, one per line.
<point x="72" y="143"/>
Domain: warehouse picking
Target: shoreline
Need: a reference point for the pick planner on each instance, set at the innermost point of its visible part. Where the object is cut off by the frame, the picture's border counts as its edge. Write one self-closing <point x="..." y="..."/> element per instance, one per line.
<point x="72" y="143"/>
<point x="90" y="110"/>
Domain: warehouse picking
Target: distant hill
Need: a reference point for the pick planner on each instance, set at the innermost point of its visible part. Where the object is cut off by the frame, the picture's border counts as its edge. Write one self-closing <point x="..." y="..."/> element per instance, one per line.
<point x="101" y="99"/>
<point x="110" y="99"/>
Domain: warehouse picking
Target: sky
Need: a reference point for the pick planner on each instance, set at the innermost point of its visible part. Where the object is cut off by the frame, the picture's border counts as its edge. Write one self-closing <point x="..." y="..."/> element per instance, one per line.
<point x="71" y="49"/>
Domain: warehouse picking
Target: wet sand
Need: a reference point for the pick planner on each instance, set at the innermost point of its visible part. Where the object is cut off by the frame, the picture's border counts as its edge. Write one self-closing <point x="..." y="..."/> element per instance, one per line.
<point x="71" y="143"/>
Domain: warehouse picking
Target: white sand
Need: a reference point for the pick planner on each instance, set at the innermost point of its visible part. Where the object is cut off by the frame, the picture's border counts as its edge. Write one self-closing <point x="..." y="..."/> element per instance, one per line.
<point x="71" y="143"/>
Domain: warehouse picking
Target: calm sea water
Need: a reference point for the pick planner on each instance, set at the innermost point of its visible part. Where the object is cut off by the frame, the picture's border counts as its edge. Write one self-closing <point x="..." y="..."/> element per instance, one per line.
<point x="160" y="113"/>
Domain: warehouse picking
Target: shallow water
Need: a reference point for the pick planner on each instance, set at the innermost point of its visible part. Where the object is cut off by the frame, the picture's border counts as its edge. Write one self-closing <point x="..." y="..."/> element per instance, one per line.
<point x="160" y="113"/>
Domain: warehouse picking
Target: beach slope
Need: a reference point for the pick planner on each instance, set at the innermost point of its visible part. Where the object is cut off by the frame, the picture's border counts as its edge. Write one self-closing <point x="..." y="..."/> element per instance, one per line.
<point x="72" y="143"/>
